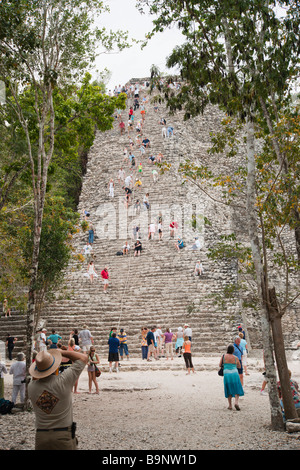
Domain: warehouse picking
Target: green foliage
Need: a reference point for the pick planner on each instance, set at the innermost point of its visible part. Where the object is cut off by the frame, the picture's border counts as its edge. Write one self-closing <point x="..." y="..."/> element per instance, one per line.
<point x="59" y="225"/>
<point x="235" y="52"/>
<point x="47" y="126"/>
<point x="244" y="57"/>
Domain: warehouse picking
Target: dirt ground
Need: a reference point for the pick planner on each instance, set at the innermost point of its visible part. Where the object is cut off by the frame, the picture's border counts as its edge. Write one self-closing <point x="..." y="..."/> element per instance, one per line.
<point x="151" y="406"/>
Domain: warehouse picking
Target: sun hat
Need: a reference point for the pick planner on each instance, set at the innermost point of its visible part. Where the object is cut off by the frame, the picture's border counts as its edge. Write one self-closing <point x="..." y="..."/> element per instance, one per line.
<point x="45" y="363"/>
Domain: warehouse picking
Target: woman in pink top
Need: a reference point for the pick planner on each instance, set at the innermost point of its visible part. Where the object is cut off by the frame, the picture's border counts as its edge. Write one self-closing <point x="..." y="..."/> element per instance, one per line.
<point x="168" y="337"/>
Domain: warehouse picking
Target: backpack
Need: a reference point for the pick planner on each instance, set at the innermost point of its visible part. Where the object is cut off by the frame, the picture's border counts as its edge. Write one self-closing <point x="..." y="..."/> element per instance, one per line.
<point x="6" y="406"/>
<point x="119" y="253"/>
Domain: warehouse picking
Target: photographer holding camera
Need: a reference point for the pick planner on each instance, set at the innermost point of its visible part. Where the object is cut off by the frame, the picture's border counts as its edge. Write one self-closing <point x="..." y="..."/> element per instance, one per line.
<point x="51" y="397"/>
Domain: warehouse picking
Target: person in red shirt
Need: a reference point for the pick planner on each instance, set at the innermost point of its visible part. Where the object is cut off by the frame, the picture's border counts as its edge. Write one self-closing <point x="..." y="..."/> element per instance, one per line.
<point x="105" y="277"/>
<point x="122" y="127"/>
<point x="173" y="227"/>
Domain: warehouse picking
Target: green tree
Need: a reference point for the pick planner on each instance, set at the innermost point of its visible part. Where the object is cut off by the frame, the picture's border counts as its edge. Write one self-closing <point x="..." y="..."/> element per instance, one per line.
<point x="59" y="225"/>
<point x="242" y="56"/>
<point x="39" y="50"/>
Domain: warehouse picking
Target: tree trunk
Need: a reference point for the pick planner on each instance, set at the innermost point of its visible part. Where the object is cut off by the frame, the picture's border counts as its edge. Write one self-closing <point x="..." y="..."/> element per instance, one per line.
<point x="30" y="321"/>
<point x="275" y="319"/>
<point x="276" y="415"/>
<point x="39" y="185"/>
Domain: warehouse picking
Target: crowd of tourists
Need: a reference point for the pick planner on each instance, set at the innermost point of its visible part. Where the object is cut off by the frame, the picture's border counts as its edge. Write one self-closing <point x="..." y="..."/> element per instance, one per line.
<point x="136" y="154"/>
<point x="57" y="365"/>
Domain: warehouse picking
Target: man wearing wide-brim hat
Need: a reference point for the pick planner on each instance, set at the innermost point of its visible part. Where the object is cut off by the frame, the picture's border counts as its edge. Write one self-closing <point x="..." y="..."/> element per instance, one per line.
<point x="51" y="397"/>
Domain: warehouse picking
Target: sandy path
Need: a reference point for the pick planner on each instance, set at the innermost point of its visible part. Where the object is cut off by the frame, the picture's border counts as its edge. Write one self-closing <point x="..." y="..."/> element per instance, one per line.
<point x="163" y="410"/>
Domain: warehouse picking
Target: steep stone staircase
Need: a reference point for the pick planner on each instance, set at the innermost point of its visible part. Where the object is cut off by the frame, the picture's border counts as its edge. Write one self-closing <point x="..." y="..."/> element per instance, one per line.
<point x="157" y="288"/>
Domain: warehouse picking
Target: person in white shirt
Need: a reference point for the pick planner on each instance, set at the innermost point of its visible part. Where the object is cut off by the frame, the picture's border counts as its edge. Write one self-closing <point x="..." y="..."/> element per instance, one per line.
<point x="41" y="340"/>
<point x="87" y="250"/>
<point x="111" y="186"/>
<point x="151" y="231"/>
<point x="121" y="176"/>
<point x="126" y="248"/>
<point x="196" y="245"/>
<point x="154" y="175"/>
<point x="85" y="339"/>
<point x="160" y="344"/>
<point x="18" y="370"/>
<point x="128" y="181"/>
<point x="187" y="331"/>
<point x="198" y="269"/>
<point x="3" y="370"/>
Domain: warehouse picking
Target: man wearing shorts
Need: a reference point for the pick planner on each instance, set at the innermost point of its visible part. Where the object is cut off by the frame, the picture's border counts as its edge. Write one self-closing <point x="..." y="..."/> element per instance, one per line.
<point x="85" y="338"/>
<point x="151" y="343"/>
<point x="113" y="352"/>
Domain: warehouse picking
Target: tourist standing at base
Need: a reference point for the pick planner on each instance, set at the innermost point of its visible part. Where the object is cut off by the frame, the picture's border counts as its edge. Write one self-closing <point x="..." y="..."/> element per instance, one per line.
<point x="160" y="343"/>
<point x="238" y="352"/>
<point x="51" y="397"/>
<point x="122" y="337"/>
<point x="144" y="344"/>
<point x="85" y="339"/>
<point x="113" y="352"/>
<point x="243" y="346"/>
<point x="93" y="361"/>
<point x="18" y="370"/>
<point x="187" y="331"/>
<point x="151" y="344"/>
<point x="167" y="339"/>
<point x="54" y="338"/>
<point x="231" y="379"/>
<point x="3" y="370"/>
<point x="179" y="341"/>
<point x="187" y="355"/>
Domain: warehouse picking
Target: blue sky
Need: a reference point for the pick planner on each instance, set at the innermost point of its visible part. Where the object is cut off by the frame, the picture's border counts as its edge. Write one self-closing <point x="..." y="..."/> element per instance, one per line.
<point x="134" y="62"/>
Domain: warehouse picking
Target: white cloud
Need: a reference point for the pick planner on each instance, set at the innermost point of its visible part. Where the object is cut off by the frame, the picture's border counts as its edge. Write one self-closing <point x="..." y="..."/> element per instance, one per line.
<point x="134" y="62"/>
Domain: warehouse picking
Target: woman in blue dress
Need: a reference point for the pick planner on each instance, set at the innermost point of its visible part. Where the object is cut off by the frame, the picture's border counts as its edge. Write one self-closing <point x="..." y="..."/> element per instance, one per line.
<point x="232" y="382"/>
